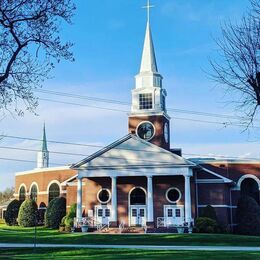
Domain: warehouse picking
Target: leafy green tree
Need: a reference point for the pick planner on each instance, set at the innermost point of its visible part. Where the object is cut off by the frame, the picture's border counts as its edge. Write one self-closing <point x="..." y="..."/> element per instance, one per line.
<point x="55" y="211"/>
<point x="248" y="216"/>
<point x="27" y="216"/>
<point x="11" y="213"/>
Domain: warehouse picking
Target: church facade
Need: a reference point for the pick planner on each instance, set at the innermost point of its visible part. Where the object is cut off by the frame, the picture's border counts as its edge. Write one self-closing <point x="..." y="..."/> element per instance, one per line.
<point x="139" y="180"/>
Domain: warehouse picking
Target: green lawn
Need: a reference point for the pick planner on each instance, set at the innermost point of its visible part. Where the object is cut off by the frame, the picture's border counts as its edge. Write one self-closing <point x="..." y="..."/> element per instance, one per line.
<point x="122" y="254"/>
<point x="26" y="235"/>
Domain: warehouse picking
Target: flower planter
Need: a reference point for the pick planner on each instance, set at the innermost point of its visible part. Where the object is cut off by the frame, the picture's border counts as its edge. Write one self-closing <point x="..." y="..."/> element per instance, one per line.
<point x="84" y="229"/>
<point x="180" y="230"/>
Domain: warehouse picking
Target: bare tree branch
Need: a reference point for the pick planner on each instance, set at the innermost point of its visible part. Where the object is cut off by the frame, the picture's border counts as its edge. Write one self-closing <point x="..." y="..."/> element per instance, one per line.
<point x="238" y="65"/>
<point x="29" y="46"/>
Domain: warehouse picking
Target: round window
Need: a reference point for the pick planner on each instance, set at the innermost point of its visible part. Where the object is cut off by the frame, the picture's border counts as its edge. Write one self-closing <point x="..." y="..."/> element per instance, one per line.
<point x="104" y="196"/>
<point x="173" y="195"/>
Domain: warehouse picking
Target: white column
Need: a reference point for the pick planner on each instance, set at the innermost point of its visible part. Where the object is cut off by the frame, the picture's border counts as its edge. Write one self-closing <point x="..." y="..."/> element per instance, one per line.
<point x="113" y="199"/>
<point x="150" y="199"/>
<point x="79" y="199"/>
<point x="187" y="200"/>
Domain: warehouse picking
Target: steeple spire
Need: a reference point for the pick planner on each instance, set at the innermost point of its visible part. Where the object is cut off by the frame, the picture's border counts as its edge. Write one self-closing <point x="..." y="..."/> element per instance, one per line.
<point x="44" y="140"/>
<point x="148" y="63"/>
<point x="43" y="155"/>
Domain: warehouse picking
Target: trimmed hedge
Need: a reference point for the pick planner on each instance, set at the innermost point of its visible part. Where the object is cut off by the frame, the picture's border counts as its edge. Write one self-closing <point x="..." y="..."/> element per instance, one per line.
<point x="27" y="216"/>
<point x="209" y="212"/>
<point x="11" y="213"/>
<point x="205" y="225"/>
<point x="56" y="210"/>
<point x="248" y="216"/>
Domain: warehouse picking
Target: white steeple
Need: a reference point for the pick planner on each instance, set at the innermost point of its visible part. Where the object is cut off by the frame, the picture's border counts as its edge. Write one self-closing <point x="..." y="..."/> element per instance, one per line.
<point x="148" y="97"/>
<point x="43" y="155"/>
<point x="148" y="63"/>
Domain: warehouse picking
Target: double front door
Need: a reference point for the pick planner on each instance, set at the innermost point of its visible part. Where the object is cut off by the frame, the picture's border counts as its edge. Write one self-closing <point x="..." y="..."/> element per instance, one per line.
<point x="173" y="215"/>
<point x="138" y="215"/>
<point x="102" y="214"/>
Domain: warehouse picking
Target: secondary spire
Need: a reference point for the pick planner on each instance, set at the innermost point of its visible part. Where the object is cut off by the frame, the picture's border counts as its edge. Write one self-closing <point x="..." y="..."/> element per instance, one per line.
<point x="44" y="140"/>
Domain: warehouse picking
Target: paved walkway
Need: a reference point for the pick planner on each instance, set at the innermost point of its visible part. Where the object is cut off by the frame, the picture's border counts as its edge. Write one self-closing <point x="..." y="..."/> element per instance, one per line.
<point x="143" y="247"/>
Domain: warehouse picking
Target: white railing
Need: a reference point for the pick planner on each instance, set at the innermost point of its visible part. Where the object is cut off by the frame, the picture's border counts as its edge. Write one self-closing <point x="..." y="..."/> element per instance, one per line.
<point x="161" y="222"/>
<point x="90" y="222"/>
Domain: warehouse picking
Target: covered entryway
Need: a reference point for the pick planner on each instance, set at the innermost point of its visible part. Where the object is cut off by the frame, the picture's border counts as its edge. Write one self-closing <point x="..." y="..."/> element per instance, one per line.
<point x="173" y="215"/>
<point x="137" y="207"/>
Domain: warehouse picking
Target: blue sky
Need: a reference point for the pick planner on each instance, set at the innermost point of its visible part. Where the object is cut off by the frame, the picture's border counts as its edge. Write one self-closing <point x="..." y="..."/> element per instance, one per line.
<point x="108" y="38"/>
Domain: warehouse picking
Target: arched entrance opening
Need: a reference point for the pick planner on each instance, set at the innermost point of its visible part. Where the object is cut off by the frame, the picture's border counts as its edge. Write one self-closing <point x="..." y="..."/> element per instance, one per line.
<point x="249" y="187"/>
<point x="137" y="207"/>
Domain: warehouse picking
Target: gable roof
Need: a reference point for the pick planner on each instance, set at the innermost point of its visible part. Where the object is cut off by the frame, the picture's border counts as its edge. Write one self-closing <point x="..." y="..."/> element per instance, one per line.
<point x="131" y="151"/>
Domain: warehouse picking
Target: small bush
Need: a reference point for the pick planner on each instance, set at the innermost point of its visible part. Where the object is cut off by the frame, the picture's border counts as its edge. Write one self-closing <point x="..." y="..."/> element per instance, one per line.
<point x="27" y="216"/>
<point x="11" y="213"/>
<point x="206" y="225"/>
<point x="69" y="220"/>
<point x="209" y="212"/>
<point x="248" y="217"/>
<point x="56" y="210"/>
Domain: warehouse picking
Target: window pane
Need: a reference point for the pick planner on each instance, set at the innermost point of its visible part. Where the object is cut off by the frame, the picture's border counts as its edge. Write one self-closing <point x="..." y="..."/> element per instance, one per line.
<point x="177" y="213"/>
<point x="54" y="191"/>
<point x="169" y="212"/>
<point x="100" y="212"/>
<point x="107" y="212"/>
<point x="34" y="193"/>
<point x="134" y="212"/>
<point x="141" y="212"/>
<point x="145" y="101"/>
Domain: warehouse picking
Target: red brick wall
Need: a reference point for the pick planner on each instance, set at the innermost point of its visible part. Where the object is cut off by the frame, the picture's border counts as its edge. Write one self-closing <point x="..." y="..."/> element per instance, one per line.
<point x="42" y="178"/>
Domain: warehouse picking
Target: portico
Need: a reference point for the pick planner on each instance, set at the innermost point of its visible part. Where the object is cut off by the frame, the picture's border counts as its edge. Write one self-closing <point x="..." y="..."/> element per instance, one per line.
<point x="137" y="195"/>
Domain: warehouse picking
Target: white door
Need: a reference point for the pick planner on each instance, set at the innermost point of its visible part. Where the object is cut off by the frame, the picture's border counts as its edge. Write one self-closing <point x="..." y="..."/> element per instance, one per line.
<point x="102" y="213"/>
<point x="138" y="215"/>
<point x="173" y="215"/>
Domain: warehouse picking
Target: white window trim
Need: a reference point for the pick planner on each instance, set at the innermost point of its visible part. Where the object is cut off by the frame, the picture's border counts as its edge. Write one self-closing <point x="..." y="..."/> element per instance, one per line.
<point x="34" y="183"/>
<point x="249" y="176"/>
<point x="104" y="202"/>
<point x="22" y="185"/>
<point x="50" y="183"/>
<point x="173" y="188"/>
<point x="145" y="122"/>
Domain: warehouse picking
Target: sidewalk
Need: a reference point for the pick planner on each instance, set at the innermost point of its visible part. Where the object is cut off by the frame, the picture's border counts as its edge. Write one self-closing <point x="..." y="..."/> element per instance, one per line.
<point x="143" y="247"/>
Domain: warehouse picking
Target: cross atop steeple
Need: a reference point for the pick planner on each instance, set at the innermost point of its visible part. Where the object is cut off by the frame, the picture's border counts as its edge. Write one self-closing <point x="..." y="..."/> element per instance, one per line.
<point x="148" y="7"/>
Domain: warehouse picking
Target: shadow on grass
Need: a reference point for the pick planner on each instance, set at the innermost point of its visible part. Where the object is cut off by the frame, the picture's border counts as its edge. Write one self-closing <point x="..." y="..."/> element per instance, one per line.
<point x="121" y="254"/>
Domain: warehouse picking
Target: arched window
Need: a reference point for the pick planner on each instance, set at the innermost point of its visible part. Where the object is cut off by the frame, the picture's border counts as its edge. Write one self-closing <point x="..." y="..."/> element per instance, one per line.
<point x="54" y="191"/>
<point x="34" y="192"/>
<point x="137" y="197"/>
<point x="249" y="187"/>
<point x="22" y="193"/>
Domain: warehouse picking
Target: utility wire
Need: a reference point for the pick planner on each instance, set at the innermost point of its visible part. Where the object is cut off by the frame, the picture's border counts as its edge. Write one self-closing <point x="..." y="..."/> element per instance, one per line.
<point x="223" y="124"/>
<point x="118" y="102"/>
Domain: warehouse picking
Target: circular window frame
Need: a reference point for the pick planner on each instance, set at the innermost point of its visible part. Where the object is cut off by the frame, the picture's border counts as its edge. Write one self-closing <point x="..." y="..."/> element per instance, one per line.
<point x="109" y="197"/>
<point x="154" y="130"/>
<point x="173" y="188"/>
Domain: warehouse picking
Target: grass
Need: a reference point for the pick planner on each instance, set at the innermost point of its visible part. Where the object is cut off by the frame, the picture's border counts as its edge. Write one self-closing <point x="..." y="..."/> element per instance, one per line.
<point x="121" y="254"/>
<point x="26" y="235"/>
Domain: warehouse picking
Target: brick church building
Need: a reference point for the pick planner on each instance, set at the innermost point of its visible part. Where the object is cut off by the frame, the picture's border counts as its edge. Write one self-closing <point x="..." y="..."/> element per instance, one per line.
<point x="139" y="180"/>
